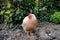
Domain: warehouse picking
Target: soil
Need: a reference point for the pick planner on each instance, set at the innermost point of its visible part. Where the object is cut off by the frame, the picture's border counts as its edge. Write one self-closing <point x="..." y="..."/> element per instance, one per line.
<point x="44" y="31"/>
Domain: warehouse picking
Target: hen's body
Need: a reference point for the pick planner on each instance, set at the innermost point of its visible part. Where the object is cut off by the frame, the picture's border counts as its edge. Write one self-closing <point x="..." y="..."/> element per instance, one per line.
<point x="29" y="24"/>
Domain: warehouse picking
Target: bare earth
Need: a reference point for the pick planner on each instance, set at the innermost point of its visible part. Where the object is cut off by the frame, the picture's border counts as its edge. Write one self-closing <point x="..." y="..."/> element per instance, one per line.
<point x="44" y="31"/>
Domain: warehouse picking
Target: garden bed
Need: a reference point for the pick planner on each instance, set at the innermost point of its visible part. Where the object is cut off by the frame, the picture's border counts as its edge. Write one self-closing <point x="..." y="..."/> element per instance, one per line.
<point x="44" y="31"/>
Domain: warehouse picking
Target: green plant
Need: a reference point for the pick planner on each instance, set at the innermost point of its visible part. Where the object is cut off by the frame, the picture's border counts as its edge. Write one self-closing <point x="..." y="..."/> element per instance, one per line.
<point x="16" y="11"/>
<point x="55" y="17"/>
<point x="12" y="12"/>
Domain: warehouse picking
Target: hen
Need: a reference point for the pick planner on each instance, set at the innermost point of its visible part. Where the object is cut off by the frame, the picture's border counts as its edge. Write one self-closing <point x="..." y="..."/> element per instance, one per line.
<point x="29" y="23"/>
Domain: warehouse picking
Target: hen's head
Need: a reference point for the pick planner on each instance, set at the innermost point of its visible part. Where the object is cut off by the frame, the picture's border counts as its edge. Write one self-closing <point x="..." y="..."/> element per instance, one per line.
<point x="29" y="15"/>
